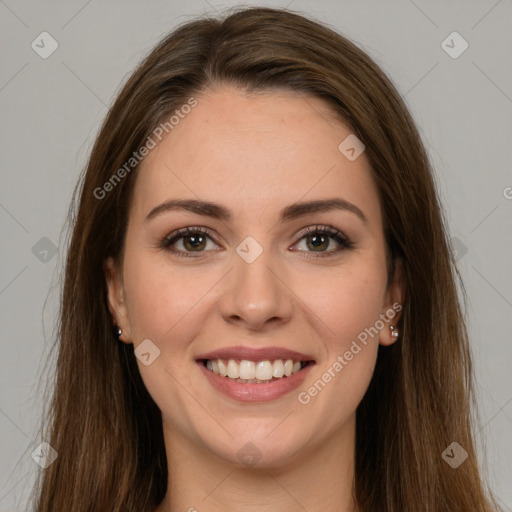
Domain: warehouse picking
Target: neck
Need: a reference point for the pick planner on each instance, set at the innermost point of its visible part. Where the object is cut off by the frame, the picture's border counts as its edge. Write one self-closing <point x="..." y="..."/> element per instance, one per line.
<point x="318" y="477"/>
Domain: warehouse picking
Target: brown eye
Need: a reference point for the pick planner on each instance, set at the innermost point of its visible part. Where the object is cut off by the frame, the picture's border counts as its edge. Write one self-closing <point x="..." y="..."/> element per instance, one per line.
<point x="194" y="242"/>
<point x="318" y="240"/>
<point x="188" y="240"/>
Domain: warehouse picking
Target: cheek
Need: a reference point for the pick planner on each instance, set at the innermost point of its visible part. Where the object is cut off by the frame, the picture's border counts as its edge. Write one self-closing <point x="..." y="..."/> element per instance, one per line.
<point x="345" y="300"/>
<point x="348" y="302"/>
<point x="349" y="307"/>
<point x="163" y="300"/>
<point x="167" y="306"/>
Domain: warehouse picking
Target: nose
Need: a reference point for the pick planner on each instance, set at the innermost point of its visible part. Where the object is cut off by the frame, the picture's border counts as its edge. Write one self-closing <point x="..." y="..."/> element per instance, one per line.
<point x="256" y="295"/>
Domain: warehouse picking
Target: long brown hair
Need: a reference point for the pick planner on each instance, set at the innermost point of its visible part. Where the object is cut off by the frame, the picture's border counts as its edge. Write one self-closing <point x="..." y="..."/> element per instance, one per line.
<point x="105" y="426"/>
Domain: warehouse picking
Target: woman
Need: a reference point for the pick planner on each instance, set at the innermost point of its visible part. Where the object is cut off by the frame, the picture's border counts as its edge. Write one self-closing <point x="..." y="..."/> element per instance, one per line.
<point x="258" y="221"/>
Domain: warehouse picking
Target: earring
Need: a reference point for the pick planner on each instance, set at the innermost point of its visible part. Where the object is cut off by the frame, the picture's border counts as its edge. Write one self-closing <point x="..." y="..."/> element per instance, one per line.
<point x="394" y="331"/>
<point x="118" y="331"/>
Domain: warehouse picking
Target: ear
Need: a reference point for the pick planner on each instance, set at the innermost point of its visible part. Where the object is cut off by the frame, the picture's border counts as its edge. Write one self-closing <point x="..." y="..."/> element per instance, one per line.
<point x="116" y="298"/>
<point x="393" y="304"/>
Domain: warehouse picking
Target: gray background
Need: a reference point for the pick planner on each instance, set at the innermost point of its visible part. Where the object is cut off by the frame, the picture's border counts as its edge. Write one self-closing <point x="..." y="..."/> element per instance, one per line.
<point x="51" y="110"/>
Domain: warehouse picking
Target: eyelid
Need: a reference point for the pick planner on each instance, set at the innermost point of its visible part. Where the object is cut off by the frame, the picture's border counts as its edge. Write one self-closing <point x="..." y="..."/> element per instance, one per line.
<point x="321" y="228"/>
<point x="341" y="239"/>
<point x="182" y="232"/>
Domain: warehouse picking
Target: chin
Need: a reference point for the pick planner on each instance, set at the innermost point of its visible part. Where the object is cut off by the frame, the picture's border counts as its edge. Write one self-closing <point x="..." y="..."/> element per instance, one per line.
<point x="263" y="452"/>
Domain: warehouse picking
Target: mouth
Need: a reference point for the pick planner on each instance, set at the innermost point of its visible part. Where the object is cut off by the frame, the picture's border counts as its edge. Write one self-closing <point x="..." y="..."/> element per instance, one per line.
<point x="245" y="371"/>
<point x="255" y="375"/>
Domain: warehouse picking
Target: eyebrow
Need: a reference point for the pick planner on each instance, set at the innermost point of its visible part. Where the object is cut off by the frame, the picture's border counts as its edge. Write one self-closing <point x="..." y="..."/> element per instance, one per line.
<point x="290" y="212"/>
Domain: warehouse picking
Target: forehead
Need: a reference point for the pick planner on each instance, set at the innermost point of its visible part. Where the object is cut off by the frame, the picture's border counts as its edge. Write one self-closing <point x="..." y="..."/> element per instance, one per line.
<point x="256" y="153"/>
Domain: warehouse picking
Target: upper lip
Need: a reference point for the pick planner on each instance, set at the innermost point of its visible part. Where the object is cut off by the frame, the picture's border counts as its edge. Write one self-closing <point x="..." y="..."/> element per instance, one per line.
<point x="255" y="354"/>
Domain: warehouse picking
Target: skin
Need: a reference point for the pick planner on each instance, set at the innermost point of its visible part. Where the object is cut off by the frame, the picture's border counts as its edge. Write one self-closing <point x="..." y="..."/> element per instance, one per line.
<point x="255" y="154"/>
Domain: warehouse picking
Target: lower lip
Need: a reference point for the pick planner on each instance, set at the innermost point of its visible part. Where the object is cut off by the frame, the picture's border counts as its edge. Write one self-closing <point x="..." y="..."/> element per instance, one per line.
<point x="263" y="392"/>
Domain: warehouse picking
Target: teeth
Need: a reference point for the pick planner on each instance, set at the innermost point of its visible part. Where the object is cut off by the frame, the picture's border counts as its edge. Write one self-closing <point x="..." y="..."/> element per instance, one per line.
<point x="223" y="370"/>
<point x="278" y="369"/>
<point x="247" y="369"/>
<point x="254" y="372"/>
<point x="288" y="367"/>
<point x="233" y="369"/>
<point x="264" y="370"/>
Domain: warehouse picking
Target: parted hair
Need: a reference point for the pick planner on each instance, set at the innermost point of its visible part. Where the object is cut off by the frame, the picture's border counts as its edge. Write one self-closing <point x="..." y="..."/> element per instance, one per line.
<point x="101" y="420"/>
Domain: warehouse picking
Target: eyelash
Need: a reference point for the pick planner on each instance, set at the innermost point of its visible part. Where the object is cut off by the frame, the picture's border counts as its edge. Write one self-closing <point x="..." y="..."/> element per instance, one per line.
<point x="333" y="233"/>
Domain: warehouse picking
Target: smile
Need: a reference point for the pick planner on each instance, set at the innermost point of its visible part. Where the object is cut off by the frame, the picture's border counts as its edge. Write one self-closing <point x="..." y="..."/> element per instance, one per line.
<point x="254" y="372"/>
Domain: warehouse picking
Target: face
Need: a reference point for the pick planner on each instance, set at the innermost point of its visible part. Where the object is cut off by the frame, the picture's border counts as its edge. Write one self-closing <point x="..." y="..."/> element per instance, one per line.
<point x="255" y="278"/>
